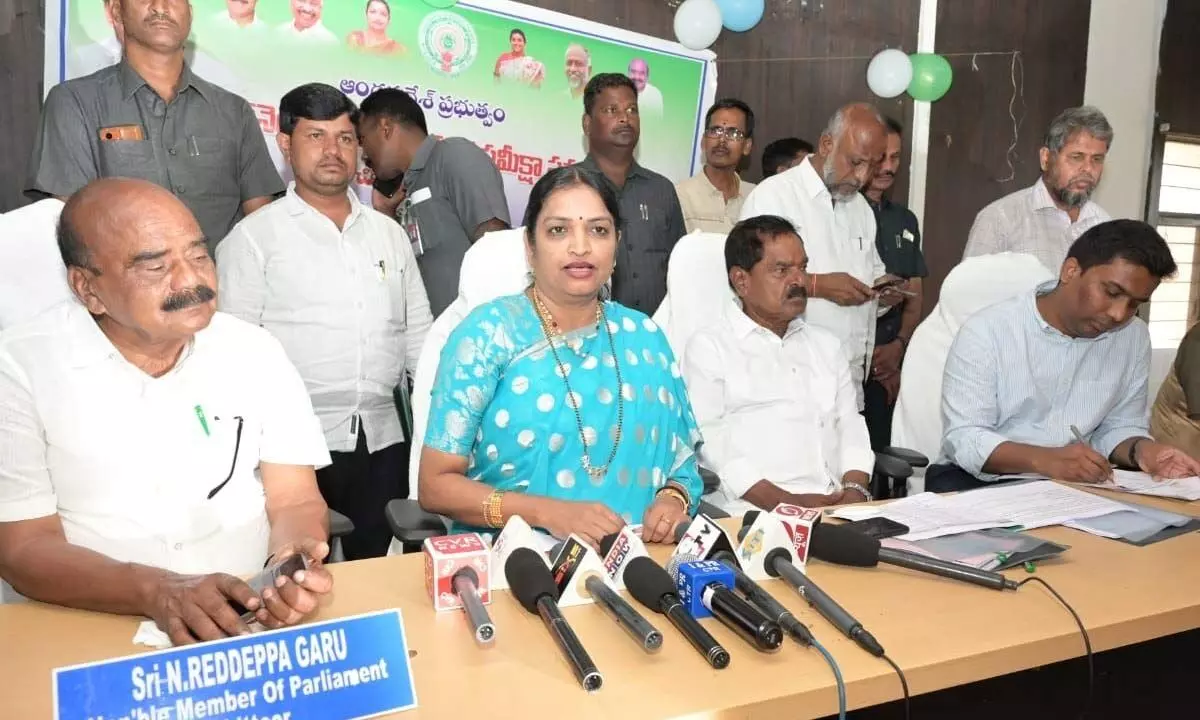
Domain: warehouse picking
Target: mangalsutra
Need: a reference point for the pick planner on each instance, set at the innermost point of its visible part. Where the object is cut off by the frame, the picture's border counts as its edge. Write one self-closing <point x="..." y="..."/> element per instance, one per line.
<point x="552" y="330"/>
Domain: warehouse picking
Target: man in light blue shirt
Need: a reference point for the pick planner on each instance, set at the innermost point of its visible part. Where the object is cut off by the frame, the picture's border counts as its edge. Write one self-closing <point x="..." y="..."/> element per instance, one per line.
<point x="1024" y="373"/>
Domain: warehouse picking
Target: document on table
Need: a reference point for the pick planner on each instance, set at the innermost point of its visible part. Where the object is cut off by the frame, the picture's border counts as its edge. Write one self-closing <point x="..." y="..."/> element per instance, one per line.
<point x="927" y="515"/>
<point x="1035" y="504"/>
<point x="1140" y="483"/>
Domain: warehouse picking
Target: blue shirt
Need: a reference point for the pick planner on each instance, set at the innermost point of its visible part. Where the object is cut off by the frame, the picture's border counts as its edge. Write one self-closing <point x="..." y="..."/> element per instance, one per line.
<point x="500" y="399"/>
<point x="1011" y="377"/>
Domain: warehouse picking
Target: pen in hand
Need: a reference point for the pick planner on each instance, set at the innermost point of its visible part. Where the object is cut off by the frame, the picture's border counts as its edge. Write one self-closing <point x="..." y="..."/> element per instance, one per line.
<point x="1079" y="438"/>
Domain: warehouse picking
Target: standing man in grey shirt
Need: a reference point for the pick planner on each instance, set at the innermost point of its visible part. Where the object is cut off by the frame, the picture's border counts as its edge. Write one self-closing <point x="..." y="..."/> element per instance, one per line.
<point x="149" y="117"/>
<point x="451" y="195"/>
<point x="652" y="221"/>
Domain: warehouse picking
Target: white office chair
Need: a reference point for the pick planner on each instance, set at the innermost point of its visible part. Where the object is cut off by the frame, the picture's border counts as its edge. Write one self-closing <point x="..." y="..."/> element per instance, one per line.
<point x="973" y="285"/>
<point x="697" y="288"/>
<point x="32" y="275"/>
<point x="493" y="267"/>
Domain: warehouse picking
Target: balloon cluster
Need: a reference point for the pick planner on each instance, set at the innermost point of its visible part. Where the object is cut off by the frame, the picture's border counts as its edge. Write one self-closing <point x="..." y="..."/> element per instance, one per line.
<point x="926" y="76"/>
<point x="699" y="22"/>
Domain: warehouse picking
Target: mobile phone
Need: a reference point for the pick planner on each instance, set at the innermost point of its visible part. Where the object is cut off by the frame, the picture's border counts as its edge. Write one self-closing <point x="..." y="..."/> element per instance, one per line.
<point x="388" y="188"/>
<point x="879" y="527"/>
<point x="287" y="566"/>
<point x="887" y="283"/>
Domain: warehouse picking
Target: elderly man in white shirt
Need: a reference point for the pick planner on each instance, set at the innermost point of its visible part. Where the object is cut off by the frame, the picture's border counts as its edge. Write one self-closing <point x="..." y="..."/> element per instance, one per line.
<point x="306" y="25"/>
<point x="1044" y="219"/>
<point x="772" y="394"/>
<point x="820" y="197"/>
<point x="337" y="282"/>
<point x="153" y="449"/>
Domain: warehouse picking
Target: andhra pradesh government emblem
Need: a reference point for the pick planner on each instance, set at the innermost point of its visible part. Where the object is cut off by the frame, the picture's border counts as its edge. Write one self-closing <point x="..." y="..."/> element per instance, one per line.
<point x="448" y="42"/>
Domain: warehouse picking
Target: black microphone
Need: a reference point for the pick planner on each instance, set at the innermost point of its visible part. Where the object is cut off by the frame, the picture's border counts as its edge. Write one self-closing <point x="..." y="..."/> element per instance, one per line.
<point x="778" y="563"/>
<point x="735" y="613"/>
<point x="846" y="546"/>
<point x="763" y="600"/>
<point x="534" y="588"/>
<point x="650" y="585"/>
<point x="466" y="585"/>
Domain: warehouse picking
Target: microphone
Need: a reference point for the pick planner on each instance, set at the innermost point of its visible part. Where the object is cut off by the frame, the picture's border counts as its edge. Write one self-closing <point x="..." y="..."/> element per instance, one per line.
<point x="618" y="609"/>
<point x="706" y="580"/>
<point x="778" y="564"/>
<point x="651" y="586"/>
<point x="845" y="546"/>
<point x="534" y="588"/>
<point x="466" y="583"/>
<point x="574" y="576"/>
<point x="763" y="600"/>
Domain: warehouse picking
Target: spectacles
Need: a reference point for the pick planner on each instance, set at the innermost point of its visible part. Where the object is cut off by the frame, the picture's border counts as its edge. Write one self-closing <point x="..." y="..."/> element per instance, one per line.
<point x="237" y="445"/>
<point x="729" y="133"/>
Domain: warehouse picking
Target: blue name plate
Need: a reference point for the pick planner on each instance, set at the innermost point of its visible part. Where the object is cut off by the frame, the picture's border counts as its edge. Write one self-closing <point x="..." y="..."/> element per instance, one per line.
<point x="338" y="669"/>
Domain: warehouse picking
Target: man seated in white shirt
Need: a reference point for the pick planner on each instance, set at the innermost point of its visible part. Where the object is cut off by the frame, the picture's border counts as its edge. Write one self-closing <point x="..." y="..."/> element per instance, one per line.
<point x="153" y="449"/>
<point x="773" y="395"/>
<point x="1053" y="382"/>
<point x="820" y="197"/>
<point x="337" y="283"/>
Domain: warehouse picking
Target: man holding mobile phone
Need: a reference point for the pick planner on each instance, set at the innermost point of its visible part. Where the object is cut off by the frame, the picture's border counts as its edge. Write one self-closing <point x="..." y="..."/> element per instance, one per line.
<point x="898" y="241"/>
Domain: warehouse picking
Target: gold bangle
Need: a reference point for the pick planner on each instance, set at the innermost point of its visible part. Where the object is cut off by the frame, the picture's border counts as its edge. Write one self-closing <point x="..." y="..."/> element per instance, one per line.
<point x="492" y="514"/>
<point x="687" y="496"/>
<point x="673" y="493"/>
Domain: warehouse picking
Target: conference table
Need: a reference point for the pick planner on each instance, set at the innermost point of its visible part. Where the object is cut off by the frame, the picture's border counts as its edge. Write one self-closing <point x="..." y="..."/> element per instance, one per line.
<point x="940" y="632"/>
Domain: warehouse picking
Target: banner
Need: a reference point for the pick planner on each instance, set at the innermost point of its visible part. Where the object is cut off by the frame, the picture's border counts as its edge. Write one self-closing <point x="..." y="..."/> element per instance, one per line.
<point x="505" y="75"/>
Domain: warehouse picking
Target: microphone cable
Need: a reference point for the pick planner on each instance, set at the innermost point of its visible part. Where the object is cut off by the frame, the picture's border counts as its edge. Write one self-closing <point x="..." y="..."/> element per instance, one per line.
<point x="903" y="682"/>
<point x="837" y="675"/>
<point x="1087" y="641"/>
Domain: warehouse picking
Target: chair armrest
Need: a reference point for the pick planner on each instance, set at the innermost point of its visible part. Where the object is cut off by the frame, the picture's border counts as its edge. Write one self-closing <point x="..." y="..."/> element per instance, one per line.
<point x="892" y="467"/>
<point x="339" y="524"/>
<point x="410" y="524"/>
<point x="912" y="457"/>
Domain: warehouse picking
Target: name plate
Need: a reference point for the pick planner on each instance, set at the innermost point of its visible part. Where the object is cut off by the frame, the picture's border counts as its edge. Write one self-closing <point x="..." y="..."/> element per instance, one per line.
<point x="338" y="669"/>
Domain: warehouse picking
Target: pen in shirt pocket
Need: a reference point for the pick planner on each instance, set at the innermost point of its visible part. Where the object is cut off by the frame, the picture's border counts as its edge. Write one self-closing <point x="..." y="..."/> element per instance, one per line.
<point x="382" y="270"/>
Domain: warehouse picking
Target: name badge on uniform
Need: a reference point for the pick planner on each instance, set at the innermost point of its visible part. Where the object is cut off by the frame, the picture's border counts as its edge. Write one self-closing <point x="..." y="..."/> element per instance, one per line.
<point x="122" y="132"/>
<point x="906" y="236"/>
<point x="408" y="220"/>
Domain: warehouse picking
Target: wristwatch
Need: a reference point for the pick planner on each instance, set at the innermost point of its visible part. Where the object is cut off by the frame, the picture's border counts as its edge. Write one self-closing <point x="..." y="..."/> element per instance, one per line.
<point x="858" y="489"/>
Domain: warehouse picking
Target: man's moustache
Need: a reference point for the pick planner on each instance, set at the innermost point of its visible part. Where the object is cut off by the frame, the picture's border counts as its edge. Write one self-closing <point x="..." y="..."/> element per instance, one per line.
<point x="796" y="291"/>
<point x="187" y="298"/>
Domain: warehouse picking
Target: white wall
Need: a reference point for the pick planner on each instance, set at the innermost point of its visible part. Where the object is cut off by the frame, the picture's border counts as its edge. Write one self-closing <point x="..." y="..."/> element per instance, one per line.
<point x="1122" y="71"/>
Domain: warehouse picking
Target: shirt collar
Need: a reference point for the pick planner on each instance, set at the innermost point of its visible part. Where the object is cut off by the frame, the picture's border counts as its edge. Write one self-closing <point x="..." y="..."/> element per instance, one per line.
<point x="744" y="327"/>
<point x="131" y="82"/>
<point x="422" y="155"/>
<point x="296" y="206"/>
<point x="90" y="346"/>
<point x="1041" y="200"/>
<point x="809" y="179"/>
<point x="589" y="163"/>
<point x="1031" y="300"/>
<point x="879" y="207"/>
<point x="714" y="190"/>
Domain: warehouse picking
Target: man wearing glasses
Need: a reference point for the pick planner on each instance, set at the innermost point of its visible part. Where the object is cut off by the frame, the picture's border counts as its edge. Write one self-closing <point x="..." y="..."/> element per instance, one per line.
<point x="652" y="221"/>
<point x="712" y="199"/>
<point x="154" y="449"/>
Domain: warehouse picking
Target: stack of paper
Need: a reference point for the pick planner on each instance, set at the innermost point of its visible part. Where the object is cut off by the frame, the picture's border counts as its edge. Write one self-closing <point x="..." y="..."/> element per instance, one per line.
<point x="1027" y="505"/>
<point x="1140" y="483"/>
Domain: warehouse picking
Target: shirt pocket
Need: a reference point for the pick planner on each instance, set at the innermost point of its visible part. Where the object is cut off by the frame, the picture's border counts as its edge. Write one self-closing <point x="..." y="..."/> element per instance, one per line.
<point x="128" y="158"/>
<point x="211" y="165"/>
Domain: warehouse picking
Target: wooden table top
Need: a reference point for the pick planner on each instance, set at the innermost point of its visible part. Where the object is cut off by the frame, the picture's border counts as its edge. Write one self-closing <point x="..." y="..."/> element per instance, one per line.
<point x="941" y="633"/>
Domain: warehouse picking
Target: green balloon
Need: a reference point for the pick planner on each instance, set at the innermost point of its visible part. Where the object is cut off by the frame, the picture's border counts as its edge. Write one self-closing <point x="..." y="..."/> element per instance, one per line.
<point x="931" y="76"/>
<point x="441" y="3"/>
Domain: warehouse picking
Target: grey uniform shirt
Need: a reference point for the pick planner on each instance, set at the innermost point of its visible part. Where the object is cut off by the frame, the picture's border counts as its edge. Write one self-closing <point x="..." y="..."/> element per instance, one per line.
<point x="651" y="224"/>
<point x="205" y="145"/>
<point x="451" y="188"/>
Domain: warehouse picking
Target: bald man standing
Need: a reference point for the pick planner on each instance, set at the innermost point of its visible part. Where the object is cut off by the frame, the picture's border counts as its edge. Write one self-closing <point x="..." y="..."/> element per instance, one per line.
<point x="820" y="197"/>
<point x="153" y="448"/>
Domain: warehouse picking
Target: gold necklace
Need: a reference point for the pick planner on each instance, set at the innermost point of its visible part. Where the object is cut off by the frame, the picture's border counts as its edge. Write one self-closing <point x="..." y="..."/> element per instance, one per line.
<point x="552" y="330"/>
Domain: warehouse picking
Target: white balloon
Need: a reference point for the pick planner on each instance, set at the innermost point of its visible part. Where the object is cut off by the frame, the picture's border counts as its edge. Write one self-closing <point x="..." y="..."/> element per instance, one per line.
<point x="889" y="73"/>
<point x="698" y="23"/>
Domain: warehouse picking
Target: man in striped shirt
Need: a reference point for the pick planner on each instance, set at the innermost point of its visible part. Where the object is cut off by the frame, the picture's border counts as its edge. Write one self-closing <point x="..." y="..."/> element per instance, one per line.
<point x="1025" y="374"/>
